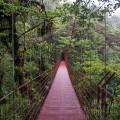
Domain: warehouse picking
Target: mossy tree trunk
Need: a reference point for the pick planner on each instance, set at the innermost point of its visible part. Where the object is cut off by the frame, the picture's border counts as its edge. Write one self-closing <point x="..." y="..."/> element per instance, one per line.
<point x="12" y="43"/>
<point x="1" y="83"/>
<point x="18" y="55"/>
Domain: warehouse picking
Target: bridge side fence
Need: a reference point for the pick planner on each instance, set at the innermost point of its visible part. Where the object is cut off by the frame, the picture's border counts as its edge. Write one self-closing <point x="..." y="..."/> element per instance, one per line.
<point x="98" y="102"/>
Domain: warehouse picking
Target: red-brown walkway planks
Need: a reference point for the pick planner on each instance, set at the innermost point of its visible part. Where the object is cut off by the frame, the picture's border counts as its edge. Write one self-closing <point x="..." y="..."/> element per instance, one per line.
<point x="62" y="102"/>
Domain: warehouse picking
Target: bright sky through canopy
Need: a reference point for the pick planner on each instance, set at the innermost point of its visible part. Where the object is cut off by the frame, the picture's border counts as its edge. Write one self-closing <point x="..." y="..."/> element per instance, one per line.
<point x="117" y="12"/>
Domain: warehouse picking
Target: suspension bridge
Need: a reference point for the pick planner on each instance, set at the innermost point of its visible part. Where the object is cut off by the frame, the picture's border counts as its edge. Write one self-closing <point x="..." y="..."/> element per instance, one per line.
<point x="60" y="92"/>
<point x="60" y="97"/>
<point x="62" y="102"/>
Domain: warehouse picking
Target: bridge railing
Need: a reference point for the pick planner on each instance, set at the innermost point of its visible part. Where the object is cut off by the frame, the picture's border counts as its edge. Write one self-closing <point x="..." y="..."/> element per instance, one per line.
<point x="24" y="102"/>
<point x="97" y="100"/>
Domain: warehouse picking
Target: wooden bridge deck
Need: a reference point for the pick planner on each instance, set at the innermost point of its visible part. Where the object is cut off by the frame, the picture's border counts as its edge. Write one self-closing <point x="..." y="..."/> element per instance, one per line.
<point x="62" y="102"/>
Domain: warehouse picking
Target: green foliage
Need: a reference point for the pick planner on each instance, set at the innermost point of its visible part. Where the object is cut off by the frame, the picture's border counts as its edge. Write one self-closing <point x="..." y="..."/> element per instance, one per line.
<point x="69" y="27"/>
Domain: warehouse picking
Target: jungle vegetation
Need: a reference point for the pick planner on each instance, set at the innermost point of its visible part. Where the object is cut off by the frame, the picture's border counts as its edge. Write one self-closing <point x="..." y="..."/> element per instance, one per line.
<point x="33" y="33"/>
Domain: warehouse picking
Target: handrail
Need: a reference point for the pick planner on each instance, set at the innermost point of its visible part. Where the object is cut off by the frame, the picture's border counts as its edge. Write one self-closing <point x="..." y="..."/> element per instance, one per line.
<point x="100" y="103"/>
<point x="28" y="101"/>
<point x="108" y="80"/>
<point x="5" y="96"/>
<point x="103" y="78"/>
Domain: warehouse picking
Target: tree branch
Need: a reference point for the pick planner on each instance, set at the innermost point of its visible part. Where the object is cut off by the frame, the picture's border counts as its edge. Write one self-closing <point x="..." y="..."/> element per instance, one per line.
<point x="35" y="27"/>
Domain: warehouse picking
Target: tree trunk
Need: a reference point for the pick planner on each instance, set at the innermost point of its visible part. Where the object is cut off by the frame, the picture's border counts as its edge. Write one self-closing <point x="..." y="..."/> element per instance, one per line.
<point x="17" y="55"/>
<point x="1" y="81"/>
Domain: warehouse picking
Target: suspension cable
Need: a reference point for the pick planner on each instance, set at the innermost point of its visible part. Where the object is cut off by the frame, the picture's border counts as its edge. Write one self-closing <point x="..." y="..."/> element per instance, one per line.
<point x="13" y="48"/>
<point x="90" y="47"/>
<point x="105" y="65"/>
<point x="105" y="44"/>
<point x="30" y="57"/>
<point x="24" y="42"/>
